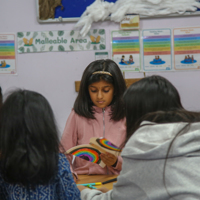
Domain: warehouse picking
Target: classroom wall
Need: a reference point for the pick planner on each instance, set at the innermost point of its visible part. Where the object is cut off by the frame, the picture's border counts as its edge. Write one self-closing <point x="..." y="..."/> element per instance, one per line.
<point x="53" y="73"/>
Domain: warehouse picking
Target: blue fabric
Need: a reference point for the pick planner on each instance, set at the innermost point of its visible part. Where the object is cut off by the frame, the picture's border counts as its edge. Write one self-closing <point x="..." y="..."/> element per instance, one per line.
<point x="62" y="187"/>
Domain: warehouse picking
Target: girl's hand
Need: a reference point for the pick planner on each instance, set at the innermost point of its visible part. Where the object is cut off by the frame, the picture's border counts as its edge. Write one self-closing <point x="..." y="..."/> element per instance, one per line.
<point x="108" y="158"/>
<point x="103" y="189"/>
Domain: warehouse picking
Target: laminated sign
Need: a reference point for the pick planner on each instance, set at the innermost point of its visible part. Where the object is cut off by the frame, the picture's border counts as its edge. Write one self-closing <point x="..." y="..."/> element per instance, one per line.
<point x="60" y="41"/>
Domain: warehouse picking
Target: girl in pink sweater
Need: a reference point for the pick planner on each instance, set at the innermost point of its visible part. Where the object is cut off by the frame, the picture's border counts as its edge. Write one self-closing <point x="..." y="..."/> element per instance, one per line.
<point x="98" y="112"/>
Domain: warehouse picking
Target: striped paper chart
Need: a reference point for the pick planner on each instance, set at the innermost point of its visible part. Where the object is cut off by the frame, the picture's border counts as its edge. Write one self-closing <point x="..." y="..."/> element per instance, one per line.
<point x="157" y="50"/>
<point x="126" y="50"/>
<point x="7" y="54"/>
<point x="186" y="48"/>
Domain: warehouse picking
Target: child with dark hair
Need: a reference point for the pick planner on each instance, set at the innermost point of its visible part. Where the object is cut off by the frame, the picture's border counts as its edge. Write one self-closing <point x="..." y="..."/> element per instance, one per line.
<point x="31" y="166"/>
<point x="147" y="95"/>
<point x="98" y="112"/>
<point x="161" y="157"/>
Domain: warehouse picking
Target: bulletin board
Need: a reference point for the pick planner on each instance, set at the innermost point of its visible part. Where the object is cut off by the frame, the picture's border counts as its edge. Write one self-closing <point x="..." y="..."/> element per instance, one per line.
<point x="73" y="9"/>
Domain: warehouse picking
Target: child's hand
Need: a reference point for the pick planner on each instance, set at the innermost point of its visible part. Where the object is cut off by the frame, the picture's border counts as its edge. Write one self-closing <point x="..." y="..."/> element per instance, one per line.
<point x="103" y="189"/>
<point x="108" y="158"/>
<point x="81" y="187"/>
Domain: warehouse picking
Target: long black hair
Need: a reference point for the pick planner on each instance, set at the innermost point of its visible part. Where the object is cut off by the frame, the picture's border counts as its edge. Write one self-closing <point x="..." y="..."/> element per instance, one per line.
<point x="147" y="95"/>
<point x="83" y="104"/>
<point x="29" y="142"/>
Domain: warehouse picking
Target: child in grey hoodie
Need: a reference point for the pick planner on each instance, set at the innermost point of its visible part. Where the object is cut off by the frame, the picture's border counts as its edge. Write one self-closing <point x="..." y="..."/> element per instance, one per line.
<point x="161" y="159"/>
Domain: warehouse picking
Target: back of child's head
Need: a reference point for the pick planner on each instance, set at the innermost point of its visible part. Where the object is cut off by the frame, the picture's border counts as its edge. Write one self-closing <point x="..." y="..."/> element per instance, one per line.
<point x="163" y="117"/>
<point x="173" y="116"/>
<point x="106" y="70"/>
<point x="29" y="142"/>
<point x="147" y="95"/>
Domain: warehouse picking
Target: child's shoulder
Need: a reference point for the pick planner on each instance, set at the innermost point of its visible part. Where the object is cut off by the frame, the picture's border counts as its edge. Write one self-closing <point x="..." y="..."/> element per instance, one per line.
<point x="74" y="115"/>
<point x="64" y="171"/>
<point x="63" y="163"/>
<point x="77" y="116"/>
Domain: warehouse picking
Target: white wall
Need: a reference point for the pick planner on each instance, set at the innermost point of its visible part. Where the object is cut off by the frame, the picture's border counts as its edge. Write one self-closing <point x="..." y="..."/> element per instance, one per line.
<point x="53" y="73"/>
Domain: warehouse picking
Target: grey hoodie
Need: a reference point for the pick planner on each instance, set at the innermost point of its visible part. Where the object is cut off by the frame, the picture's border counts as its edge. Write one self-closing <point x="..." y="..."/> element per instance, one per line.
<point x="144" y="157"/>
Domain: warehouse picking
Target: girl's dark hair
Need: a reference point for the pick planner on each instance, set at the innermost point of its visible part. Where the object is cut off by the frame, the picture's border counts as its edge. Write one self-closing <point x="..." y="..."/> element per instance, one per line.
<point x="29" y="142"/>
<point x="83" y="104"/>
<point x="147" y="95"/>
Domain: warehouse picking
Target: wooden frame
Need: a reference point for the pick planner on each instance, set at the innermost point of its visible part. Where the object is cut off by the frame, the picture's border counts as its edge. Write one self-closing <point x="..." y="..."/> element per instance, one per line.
<point x="75" y="19"/>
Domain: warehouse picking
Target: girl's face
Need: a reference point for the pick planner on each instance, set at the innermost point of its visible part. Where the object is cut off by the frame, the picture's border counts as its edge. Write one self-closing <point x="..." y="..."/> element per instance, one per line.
<point x="101" y="93"/>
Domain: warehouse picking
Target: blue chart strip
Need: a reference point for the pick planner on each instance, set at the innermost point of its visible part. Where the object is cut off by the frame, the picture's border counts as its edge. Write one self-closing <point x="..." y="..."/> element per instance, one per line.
<point x="4" y="44"/>
<point x="125" y="41"/>
<point x="157" y="40"/>
<point x="187" y="38"/>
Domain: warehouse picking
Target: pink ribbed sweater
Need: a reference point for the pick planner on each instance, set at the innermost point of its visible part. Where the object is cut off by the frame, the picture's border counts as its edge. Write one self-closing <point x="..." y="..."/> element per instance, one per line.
<point x="79" y="130"/>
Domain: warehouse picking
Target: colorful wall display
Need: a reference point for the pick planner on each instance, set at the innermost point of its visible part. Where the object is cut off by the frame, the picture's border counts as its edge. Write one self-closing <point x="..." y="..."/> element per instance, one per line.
<point x="69" y="11"/>
<point x="60" y="41"/>
<point x="186" y="48"/>
<point x="7" y="54"/>
<point x="157" y="50"/>
<point x="157" y="47"/>
<point x="126" y="49"/>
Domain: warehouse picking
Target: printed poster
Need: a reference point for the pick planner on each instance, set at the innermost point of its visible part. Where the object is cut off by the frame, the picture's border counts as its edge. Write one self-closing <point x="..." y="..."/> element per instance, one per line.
<point x="7" y="54"/>
<point x="186" y="48"/>
<point x="157" y="50"/>
<point x="126" y="50"/>
<point x="44" y="41"/>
